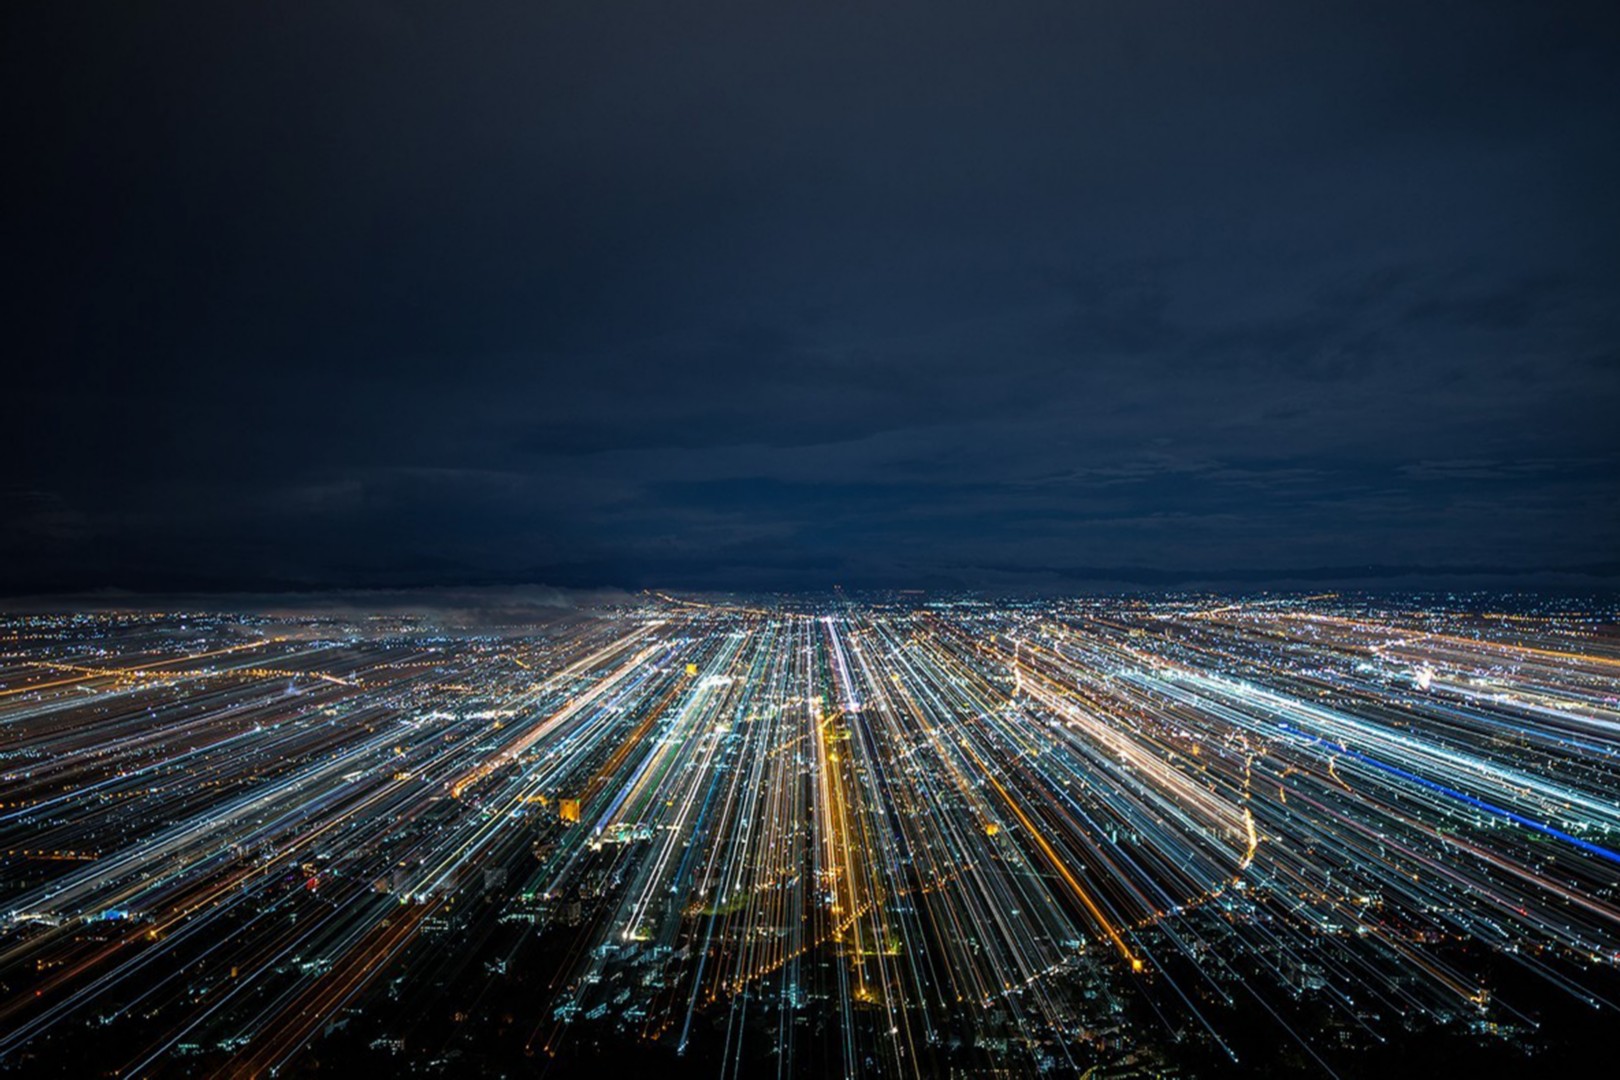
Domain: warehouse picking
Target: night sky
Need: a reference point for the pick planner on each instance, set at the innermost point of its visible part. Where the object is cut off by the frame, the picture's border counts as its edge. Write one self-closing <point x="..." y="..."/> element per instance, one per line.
<point x="773" y="295"/>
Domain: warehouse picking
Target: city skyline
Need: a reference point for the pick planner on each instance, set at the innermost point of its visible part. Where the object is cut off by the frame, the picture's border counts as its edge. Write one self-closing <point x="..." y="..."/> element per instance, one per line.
<point x="880" y="836"/>
<point x="810" y="538"/>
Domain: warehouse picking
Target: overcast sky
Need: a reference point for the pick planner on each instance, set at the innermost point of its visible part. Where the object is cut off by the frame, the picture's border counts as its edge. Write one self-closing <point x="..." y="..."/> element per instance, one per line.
<point x="737" y="295"/>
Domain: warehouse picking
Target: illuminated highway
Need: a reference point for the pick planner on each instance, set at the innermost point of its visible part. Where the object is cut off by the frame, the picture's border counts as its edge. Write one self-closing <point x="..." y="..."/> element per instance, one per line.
<point x="887" y="837"/>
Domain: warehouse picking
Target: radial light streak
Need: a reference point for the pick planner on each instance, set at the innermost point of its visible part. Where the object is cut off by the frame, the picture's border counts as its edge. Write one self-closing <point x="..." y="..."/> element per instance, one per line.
<point x="871" y="838"/>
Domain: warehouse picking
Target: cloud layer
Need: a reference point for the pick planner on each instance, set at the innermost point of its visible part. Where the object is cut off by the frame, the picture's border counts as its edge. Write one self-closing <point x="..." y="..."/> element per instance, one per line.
<point x="738" y="295"/>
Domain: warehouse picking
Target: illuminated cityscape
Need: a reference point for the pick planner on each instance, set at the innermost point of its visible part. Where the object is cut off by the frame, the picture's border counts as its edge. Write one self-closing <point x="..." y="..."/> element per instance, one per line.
<point x="878" y="835"/>
<point x="810" y="540"/>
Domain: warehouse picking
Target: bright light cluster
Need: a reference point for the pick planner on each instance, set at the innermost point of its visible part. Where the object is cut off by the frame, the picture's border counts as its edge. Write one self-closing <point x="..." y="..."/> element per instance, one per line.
<point x="887" y="837"/>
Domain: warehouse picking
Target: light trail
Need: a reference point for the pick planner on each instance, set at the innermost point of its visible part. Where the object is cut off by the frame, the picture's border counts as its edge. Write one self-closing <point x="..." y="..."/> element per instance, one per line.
<point x="863" y="839"/>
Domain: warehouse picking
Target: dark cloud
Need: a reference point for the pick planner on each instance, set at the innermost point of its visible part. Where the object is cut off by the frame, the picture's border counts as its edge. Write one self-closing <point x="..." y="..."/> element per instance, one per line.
<point x="741" y="295"/>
